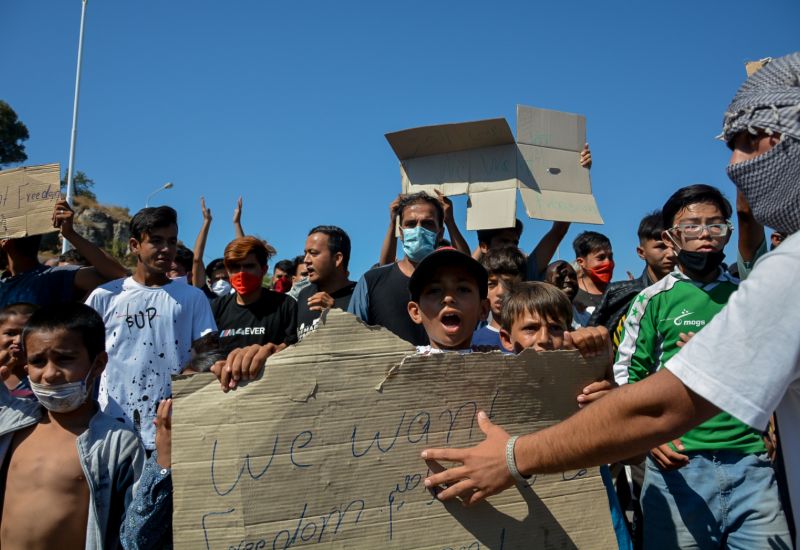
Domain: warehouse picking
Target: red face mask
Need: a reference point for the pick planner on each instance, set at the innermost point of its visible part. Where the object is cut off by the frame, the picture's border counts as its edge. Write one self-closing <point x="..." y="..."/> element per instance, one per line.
<point x="245" y="283"/>
<point x="282" y="284"/>
<point x="601" y="273"/>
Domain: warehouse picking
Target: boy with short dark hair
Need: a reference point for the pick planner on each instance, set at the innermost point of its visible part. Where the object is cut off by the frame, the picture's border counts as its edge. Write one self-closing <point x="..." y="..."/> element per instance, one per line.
<point x="595" y="261"/>
<point x="448" y="298"/>
<point x="506" y="267"/>
<point x="69" y="469"/>
<point x="733" y="499"/>
<point x="12" y="321"/>
<point x="151" y="322"/>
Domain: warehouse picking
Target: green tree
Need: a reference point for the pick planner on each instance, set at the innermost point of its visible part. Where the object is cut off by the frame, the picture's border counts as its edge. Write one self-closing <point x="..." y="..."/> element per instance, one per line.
<point x="12" y="133"/>
<point x="81" y="185"/>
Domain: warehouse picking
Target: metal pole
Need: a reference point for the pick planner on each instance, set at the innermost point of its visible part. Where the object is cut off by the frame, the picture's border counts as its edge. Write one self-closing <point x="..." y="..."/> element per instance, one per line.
<point x="74" y="135"/>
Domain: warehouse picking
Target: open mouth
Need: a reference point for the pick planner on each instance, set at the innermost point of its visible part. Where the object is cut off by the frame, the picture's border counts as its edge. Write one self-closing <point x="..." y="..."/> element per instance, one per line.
<point x="451" y="322"/>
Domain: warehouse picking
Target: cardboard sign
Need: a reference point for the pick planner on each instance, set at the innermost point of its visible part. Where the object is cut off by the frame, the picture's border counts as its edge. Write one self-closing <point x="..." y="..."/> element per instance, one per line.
<point x="27" y="198"/>
<point x="483" y="160"/>
<point x="323" y="450"/>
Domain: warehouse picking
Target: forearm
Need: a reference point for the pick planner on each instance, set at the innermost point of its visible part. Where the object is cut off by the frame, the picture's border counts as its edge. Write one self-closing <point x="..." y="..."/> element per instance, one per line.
<point x="198" y="268"/>
<point x="548" y="245"/>
<point x="105" y="264"/>
<point x="628" y="421"/>
<point x="389" y="246"/>
<point x="459" y="243"/>
<point x="237" y="227"/>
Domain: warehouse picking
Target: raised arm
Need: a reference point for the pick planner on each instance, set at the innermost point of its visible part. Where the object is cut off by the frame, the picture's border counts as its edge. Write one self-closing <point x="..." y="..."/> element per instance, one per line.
<point x="389" y="246"/>
<point x="459" y="243"/>
<point x="237" y="219"/>
<point x="198" y="267"/>
<point x="104" y="266"/>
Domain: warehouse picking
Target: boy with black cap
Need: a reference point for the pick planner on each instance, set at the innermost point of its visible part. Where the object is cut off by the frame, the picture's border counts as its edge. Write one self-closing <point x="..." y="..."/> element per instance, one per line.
<point x="448" y="298"/>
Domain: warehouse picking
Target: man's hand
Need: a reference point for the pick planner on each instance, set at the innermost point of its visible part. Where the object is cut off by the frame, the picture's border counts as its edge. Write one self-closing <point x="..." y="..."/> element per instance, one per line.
<point x="243" y="364"/>
<point x="590" y="341"/>
<point x="163" y="424"/>
<point x="237" y="212"/>
<point x="447" y="207"/>
<point x="393" y="213"/>
<point x="63" y="218"/>
<point x="320" y="301"/>
<point x="684" y="338"/>
<point x="206" y="211"/>
<point x="668" y="459"/>
<point x="483" y="472"/>
<point x="595" y="391"/>
<point x="586" y="157"/>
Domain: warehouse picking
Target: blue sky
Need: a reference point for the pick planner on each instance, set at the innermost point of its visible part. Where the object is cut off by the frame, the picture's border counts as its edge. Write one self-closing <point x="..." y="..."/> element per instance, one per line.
<point x="287" y="103"/>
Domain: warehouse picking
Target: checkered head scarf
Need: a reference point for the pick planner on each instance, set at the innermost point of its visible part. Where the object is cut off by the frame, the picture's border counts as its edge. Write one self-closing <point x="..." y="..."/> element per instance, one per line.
<point x="770" y="101"/>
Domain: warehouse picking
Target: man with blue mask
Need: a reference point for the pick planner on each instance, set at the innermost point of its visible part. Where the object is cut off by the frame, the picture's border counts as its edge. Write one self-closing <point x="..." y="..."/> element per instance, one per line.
<point x="381" y="295"/>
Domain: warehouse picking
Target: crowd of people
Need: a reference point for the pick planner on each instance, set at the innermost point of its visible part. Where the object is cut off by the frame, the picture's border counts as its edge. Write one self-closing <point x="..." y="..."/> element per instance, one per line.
<point x="88" y="350"/>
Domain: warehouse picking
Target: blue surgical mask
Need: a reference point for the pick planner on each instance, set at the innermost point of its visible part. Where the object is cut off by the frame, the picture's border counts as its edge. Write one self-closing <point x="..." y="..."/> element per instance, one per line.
<point x="418" y="242"/>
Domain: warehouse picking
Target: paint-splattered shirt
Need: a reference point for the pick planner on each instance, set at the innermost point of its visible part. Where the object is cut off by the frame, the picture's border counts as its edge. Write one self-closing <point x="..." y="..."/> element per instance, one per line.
<point x="149" y="335"/>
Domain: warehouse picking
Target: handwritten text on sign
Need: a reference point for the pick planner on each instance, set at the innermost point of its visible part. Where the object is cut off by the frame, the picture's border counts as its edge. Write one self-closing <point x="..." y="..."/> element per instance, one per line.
<point x="314" y="454"/>
<point x="27" y="198"/>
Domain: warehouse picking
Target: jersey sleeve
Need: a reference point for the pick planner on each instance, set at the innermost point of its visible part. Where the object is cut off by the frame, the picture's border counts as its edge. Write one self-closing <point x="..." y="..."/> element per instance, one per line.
<point x="359" y="303"/>
<point x="636" y="356"/>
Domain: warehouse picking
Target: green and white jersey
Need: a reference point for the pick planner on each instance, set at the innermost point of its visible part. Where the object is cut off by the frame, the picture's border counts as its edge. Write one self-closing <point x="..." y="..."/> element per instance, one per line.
<point x="658" y="315"/>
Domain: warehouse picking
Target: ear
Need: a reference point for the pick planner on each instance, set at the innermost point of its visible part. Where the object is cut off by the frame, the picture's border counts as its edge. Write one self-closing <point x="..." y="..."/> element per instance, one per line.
<point x="99" y="364"/>
<point x="338" y="259"/>
<point x="264" y="270"/>
<point x="483" y="247"/>
<point x="505" y="340"/>
<point x="581" y="261"/>
<point x="666" y="237"/>
<point x="414" y="312"/>
<point x="640" y="252"/>
<point x="134" y="245"/>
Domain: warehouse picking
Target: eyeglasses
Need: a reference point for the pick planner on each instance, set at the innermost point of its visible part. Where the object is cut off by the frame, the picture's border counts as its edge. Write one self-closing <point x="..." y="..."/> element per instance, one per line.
<point x="697" y="229"/>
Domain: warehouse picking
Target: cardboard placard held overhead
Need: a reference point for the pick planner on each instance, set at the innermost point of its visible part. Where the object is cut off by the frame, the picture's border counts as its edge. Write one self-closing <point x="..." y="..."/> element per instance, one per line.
<point x="27" y="198"/>
<point x="324" y="449"/>
<point x="482" y="159"/>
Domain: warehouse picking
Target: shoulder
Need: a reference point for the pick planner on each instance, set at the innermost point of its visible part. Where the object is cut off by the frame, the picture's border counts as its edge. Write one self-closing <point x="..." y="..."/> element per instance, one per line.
<point x="111" y="288"/>
<point x="379" y="272"/>
<point x="307" y="292"/>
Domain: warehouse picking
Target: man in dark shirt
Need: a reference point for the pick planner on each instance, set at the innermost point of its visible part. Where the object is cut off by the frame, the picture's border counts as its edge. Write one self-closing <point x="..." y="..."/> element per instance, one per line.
<point x="381" y="296"/>
<point x="253" y="315"/>
<point x="327" y="255"/>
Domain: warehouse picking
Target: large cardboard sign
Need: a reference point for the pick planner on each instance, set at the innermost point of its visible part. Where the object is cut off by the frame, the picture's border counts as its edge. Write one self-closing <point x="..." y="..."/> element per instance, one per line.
<point x="323" y="450"/>
<point x="27" y="198"/>
<point x="483" y="160"/>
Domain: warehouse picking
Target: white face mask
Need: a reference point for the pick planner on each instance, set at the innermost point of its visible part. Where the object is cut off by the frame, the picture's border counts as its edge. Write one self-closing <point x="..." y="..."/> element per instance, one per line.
<point x="221" y="287"/>
<point x="62" y="398"/>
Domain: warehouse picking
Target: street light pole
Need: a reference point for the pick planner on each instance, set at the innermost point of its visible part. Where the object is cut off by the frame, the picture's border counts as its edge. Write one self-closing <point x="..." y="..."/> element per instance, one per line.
<point x="74" y="135"/>
<point x="168" y="185"/>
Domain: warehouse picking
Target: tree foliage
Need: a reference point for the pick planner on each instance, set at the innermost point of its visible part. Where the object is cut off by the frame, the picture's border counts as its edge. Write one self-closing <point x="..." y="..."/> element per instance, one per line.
<point x="12" y="133"/>
<point x="81" y="185"/>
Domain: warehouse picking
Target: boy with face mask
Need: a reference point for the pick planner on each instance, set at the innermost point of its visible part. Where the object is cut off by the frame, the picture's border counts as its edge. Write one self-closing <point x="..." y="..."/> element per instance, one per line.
<point x="595" y="261"/>
<point x="723" y="452"/>
<point x="70" y="469"/>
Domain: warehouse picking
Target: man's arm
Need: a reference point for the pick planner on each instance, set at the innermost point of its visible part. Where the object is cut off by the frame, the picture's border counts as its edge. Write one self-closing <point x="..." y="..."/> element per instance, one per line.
<point x="544" y="251"/>
<point x="104" y="266"/>
<point x="359" y="302"/>
<point x="198" y="267"/>
<point x="237" y="219"/>
<point x="389" y="246"/>
<point x="456" y="238"/>
<point x="628" y="421"/>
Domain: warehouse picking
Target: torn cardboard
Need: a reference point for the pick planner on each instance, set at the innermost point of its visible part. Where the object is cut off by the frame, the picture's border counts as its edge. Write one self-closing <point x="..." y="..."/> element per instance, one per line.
<point x="324" y="449"/>
<point x="27" y="198"/>
<point x="482" y="159"/>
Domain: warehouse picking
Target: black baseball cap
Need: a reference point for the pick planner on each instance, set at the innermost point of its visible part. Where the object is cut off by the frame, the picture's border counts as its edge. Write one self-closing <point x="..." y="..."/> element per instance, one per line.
<point x="447" y="256"/>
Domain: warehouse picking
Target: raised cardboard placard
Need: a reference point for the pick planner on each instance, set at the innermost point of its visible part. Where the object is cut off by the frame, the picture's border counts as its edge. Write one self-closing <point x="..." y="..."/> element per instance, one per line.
<point x="323" y="450"/>
<point x="483" y="160"/>
<point x="27" y="198"/>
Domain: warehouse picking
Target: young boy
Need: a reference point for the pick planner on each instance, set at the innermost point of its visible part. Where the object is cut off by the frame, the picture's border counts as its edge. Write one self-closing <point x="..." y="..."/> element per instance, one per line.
<point x="729" y="496"/>
<point x="506" y="267"/>
<point x="595" y="261"/>
<point x="68" y="469"/>
<point x="448" y="298"/>
<point x="562" y="275"/>
<point x="151" y="322"/>
<point x="12" y="321"/>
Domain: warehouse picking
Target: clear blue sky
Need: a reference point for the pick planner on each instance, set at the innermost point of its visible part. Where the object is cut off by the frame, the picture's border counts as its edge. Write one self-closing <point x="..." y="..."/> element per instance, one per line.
<point x="286" y="103"/>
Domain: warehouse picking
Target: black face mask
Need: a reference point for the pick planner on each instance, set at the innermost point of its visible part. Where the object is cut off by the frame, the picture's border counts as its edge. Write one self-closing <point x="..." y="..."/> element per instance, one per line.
<point x="701" y="263"/>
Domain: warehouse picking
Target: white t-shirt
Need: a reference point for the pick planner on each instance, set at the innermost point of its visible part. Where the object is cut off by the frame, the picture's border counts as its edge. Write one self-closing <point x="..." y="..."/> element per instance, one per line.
<point x="746" y="361"/>
<point x="149" y="335"/>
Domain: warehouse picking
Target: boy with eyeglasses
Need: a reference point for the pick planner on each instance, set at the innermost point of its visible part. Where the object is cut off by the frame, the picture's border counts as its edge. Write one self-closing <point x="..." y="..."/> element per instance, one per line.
<point x="715" y="486"/>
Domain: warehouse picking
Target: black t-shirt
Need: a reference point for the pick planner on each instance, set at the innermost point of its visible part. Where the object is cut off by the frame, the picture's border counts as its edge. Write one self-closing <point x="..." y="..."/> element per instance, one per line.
<point x="584" y="301"/>
<point x="388" y="297"/>
<point x="307" y="319"/>
<point x="270" y="319"/>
